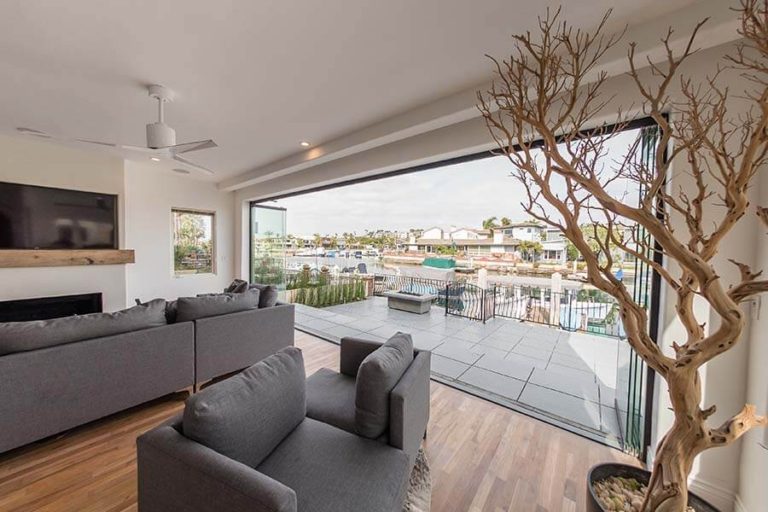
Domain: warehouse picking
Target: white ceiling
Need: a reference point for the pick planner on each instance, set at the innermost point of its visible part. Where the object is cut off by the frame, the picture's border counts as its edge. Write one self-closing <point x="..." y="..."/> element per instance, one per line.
<point x="256" y="76"/>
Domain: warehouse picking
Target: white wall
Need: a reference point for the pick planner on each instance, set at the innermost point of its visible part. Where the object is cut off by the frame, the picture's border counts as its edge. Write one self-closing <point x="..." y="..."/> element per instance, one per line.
<point x="150" y="195"/>
<point x="33" y="162"/>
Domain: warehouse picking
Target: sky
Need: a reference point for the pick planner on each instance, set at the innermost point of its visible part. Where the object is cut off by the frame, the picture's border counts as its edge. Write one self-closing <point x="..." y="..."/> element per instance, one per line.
<point x="461" y="195"/>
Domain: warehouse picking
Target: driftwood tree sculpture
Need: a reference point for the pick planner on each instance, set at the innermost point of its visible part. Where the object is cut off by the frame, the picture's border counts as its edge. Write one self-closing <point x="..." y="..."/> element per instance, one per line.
<point x="546" y="96"/>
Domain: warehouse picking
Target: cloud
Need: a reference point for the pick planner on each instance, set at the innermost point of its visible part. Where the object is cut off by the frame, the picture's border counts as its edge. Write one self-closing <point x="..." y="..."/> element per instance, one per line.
<point x="462" y="195"/>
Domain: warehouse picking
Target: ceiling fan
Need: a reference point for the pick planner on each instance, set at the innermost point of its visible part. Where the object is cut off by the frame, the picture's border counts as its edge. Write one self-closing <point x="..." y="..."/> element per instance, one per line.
<point x="161" y="138"/>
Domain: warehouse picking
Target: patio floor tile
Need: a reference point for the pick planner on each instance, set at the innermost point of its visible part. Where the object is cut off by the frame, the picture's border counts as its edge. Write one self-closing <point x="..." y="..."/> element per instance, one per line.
<point x="540" y="344"/>
<point x="527" y="350"/>
<point x="501" y="341"/>
<point x="341" y="331"/>
<point x="511" y="368"/>
<point x="388" y="330"/>
<point x="607" y="395"/>
<point x="493" y="382"/>
<point x="576" y="363"/>
<point x="447" y="367"/>
<point x="427" y="339"/>
<point x="468" y="335"/>
<point x="319" y="324"/>
<point x="609" y="421"/>
<point x="543" y="333"/>
<point x="571" y="409"/>
<point x="366" y="324"/>
<point x="582" y="386"/>
<point x="491" y="351"/>
<point x="457" y="353"/>
<point x="341" y="319"/>
<point x="536" y="363"/>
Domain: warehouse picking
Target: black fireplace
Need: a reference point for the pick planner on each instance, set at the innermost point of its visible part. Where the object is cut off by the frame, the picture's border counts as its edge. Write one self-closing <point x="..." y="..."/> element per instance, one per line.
<point x="49" y="307"/>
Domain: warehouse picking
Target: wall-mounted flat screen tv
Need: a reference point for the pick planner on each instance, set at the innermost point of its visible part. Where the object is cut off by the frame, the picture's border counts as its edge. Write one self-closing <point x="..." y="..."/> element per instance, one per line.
<point x="33" y="217"/>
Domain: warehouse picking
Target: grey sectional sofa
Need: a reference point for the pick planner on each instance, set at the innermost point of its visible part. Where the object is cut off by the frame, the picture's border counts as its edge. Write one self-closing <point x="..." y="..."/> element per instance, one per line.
<point x="50" y="390"/>
<point x="228" y="343"/>
<point x="248" y="444"/>
<point x="60" y="382"/>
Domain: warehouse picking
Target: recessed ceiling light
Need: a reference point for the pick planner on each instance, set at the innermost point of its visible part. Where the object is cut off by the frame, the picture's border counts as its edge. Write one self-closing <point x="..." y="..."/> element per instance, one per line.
<point x="180" y="170"/>
<point x="154" y="159"/>
<point x="304" y="144"/>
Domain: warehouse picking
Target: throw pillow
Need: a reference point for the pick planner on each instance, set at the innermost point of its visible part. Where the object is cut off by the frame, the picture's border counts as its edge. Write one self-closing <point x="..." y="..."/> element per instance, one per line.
<point x="23" y="336"/>
<point x="268" y="297"/>
<point x="246" y="416"/>
<point x="379" y="373"/>
<point x="236" y="286"/>
<point x="192" y="308"/>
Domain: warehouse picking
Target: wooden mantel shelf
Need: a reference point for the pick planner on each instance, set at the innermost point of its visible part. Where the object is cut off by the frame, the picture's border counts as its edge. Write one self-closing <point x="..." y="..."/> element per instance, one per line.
<point x="13" y="258"/>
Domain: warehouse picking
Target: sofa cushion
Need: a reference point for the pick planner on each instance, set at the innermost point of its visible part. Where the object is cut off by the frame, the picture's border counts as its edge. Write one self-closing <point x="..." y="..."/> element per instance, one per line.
<point x="267" y="296"/>
<point x="246" y="416"/>
<point x="24" y="336"/>
<point x="335" y="471"/>
<point x="236" y="286"/>
<point x="331" y="399"/>
<point x="171" y="311"/>
<point x="192" y="308"/>
<point x="378" y="374"/>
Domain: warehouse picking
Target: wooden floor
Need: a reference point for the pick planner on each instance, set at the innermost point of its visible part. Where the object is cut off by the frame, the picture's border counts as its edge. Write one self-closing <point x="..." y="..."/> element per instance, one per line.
<point x="483" y="457"/>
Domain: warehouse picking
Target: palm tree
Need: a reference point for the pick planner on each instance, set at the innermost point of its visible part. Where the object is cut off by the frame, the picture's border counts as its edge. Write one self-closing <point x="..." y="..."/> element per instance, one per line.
<point x="490" y="223"/>
<point x="505" y="221"/>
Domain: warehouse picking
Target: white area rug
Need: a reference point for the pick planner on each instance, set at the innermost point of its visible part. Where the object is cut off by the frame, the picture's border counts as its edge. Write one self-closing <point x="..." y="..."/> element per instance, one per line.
<point x="419" y="494"/>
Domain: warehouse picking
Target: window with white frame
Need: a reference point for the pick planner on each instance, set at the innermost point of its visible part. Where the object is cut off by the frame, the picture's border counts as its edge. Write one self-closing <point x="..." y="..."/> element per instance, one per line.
<point x="194" y="242"/>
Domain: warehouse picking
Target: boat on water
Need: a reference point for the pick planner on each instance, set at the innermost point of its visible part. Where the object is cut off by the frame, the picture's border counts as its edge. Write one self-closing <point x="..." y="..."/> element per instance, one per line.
<point x="446" y="263"/>
<point x="437" y="262"/>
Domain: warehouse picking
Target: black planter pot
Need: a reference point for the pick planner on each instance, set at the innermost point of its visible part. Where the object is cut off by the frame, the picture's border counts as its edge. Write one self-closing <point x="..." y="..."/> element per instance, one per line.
<point x="603" y="471"/>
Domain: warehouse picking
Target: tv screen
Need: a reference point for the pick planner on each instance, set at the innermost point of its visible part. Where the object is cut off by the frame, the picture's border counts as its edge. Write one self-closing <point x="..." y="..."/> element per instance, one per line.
<point x="34" y="217"/>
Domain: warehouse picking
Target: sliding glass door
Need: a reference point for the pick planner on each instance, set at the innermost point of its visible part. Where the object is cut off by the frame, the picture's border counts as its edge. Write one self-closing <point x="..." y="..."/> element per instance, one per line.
<point x="268" y="244"/>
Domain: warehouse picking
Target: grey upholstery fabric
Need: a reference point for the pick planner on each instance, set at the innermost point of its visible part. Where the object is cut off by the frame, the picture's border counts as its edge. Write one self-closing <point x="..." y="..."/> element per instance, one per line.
<point x="175" y="473"/>
<point x="245" y="417"/>
<point x="228" y="343"/>
<point x="409" y="406"/>
<point x="377" y="376"/>
<point x="267" y="294"/>
<point x="236" y="286"/>
<point x="47" y="391"/>
<point x="23" y="336"/>
<point x="331" y="399"/>
<point x="192" y="308"/>
<point x="353" y="351"/>
<point x="171" y="311"/>
<point x="335" y="471"/>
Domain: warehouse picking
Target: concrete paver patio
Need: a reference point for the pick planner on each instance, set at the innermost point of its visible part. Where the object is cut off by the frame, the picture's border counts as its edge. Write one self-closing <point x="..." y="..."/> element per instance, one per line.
<point x="565" y="378"/>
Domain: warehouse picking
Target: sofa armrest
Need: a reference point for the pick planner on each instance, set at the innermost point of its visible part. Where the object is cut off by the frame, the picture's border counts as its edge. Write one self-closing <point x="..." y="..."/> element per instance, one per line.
<point x="176" y="473"/>
<point x="409" y="406"/>
<point x="353" y="351"/>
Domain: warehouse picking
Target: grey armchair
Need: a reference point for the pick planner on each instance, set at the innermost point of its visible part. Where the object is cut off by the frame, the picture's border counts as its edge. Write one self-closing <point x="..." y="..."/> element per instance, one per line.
<point x="245" y="445"/>
<point x="331" y="396"/>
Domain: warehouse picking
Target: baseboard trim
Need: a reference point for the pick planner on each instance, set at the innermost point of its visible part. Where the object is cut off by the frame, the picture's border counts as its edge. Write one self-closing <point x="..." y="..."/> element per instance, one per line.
<point x="738" y="505"/>
<point x="720" y="497"/>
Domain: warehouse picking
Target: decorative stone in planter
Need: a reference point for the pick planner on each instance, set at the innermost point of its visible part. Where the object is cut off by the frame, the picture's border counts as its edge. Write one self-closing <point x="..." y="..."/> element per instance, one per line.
<point x="603" y="471"/>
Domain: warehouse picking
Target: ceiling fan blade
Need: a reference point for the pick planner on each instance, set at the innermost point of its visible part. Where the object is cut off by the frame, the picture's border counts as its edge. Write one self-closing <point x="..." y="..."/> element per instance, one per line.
<point x="87" y="141"/>
<point x="191" y="146"/>
<point x="192" y="165"/>
<point x="142" y="149"/>
<point x="32" y="131"/>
